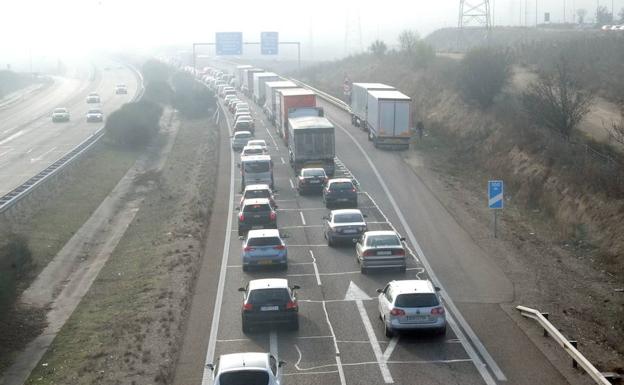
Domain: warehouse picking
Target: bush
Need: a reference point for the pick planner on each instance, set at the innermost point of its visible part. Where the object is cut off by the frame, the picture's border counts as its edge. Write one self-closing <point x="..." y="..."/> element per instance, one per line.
<point x="192" y="99"/>
<point x="15" y="263"/>
<point x="482" y="75"/>
<point x="158" y="92"/>
<point x="155" y="71"/>
<point x="134" y="124"/>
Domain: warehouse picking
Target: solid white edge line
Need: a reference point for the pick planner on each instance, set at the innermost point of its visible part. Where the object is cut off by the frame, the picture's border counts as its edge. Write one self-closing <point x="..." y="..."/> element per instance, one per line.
<point x="216" y="315"/>
<point x="473" y="337"/>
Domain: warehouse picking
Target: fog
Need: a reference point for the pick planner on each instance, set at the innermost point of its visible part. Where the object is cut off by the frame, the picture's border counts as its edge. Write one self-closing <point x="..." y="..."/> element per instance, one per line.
<point x="69" y="29"/>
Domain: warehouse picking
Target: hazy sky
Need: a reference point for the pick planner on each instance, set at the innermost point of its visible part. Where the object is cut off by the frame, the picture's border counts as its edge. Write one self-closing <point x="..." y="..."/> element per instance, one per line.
<point x="72" y="27"/>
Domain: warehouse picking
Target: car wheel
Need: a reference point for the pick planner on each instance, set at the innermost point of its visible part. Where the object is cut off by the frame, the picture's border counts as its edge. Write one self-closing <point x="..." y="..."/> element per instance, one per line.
<point x="294" y="325"/>
<point x="245" y="268"/>
<point x="285" y="266"/>
<point x="442" y="331"/>
<point x="388" y="331"/>
<point x="363" y="270"/>
<point x="246" y="328"/>
<point x="355" y="203"/>
<point x="403" y="269"/>
<point x="241" y="232"/>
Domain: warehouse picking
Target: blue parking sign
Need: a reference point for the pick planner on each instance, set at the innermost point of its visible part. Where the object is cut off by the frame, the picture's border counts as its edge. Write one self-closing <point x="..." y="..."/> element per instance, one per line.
<point x="495" y="194"/>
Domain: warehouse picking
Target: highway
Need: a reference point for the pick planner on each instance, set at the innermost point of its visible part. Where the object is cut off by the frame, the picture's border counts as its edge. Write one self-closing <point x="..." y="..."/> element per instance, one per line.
<point x="341" y="339"/>
<point x="30" y="141"/>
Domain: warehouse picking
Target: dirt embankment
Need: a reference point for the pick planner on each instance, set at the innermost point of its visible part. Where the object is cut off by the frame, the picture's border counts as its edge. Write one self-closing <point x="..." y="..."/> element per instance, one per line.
<point x="127" y="329"/>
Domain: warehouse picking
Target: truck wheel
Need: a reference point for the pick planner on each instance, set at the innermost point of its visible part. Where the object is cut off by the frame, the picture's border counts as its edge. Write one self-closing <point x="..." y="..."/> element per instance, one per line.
<point x="370" y="136"/>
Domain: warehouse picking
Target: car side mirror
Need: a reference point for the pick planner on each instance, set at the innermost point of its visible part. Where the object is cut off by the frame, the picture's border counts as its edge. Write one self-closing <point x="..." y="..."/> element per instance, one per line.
<point x="437" y="288"/>
<point x="380" y="291"/>
<point x="210" y="366"/>
<point x="296" y="287"/>
<point x="237" y="209"/>
<point x="276" y="206"/>
<point x="402" y="239"/>
<point x="242" y="238"/>
<point x="364" y="215"/>
<point x="281" y="364"/>
<point x="325" y="217"/>
<point x="284" y="235"/>
<point x="242" y="289"/>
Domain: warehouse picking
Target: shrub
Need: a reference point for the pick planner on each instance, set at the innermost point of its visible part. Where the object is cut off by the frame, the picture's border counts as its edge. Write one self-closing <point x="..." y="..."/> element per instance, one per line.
<point x="482" y="75"/>
<point x="134" y="124"/>
<point x="15" y="263"/>
<point x="192" y="99"/>
<point x="158" y="92"/>
<point x="378" y="48"/>
<point x="155" y="71"/>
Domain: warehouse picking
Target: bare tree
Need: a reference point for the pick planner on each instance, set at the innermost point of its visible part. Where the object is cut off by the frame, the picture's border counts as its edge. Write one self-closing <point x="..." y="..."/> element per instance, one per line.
<point x="616" y="129"/>
<point x="555" y="101"/>
<point x="378" y="48"/>
<point x="580" y="14"/>
<point x="409" y="41"/>
<point x="621" y="14"/>
<point x="603" y="16"/>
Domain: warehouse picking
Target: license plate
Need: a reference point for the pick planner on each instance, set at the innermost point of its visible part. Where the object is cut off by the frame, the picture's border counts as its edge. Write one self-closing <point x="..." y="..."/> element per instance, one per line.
<point x="256" y="216"/>
<point x="349" y="231"/>
<point x="269" y="308"/>
<point x="265" y="262"/>
<point x="387" y="252"/>
<point x="342" y="199"/>
<point x="417" y="318"/>
<point x="315" y="181"/>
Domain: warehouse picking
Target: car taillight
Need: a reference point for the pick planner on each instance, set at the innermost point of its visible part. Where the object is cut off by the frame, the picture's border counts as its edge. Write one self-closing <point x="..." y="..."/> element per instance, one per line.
<point x="241" y="217"/>
<point x="399" y="252"/>
<point x="397" y="312"/>
<point x="247" y="307"/>
<point x="353" y="189"/>
<point x="291" y="305"/>
<point x="437" y="311"/>
<point x="279" y="247"/>
<point x="367" y="253"/>
<point x="272" y="215"/>
<point x="248" y="248"/>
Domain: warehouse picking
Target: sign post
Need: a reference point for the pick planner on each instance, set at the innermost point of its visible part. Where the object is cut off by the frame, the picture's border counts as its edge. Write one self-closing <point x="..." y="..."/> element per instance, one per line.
<point x="229" y="43"/>
<point x="495" y="198"/>
<point x="269" y="42"/>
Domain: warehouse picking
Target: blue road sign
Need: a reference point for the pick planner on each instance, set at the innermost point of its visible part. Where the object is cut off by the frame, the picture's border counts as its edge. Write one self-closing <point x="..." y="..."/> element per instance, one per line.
<point x="269" y="42"/>
<point x="229" y="43"/>
<point x="495" y="194"/>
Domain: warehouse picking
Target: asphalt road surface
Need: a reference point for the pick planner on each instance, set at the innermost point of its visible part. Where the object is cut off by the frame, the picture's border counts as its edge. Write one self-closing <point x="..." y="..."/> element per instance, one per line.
<point x="341" y="339"/>
<point x="30" y="141"/>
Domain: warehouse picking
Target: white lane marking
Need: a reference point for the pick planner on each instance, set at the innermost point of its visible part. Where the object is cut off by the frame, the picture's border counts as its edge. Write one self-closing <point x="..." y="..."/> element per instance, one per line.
<point x="447" y="299"/>
<point x="282" y="159"/>
<point x="214" y="328"/>
<point x="292" y="185"/>
<point x="40" y="157"/>
<point x="235" y="340"/>
<point x="322" y="208"/>
<point x="6" y="152"/>
<point x="313" y="337"/>
<point x="273" y="344"/>
<point x="316" y="272"/>
<point x="354" y="293"/>
<point x="310" y="373"/>
<point x="302" y="218"/>
<point x="271" y="136"/>
<point x="423" y="362"/>
<point x="343" y="380"/>
<point x="357" y="272"/>
<point x="390" y="348"/>
<point x="30" y="150"/>
<point x="10" y="138"/>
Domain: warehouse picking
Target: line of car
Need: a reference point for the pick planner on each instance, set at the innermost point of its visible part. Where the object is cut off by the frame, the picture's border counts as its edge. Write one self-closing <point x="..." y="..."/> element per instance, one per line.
<point x="94" y="114"/>
<point x="402" y="304"/>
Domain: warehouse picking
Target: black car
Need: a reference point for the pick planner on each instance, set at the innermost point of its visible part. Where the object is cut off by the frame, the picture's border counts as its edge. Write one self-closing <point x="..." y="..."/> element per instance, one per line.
<point x="268" y="302"/>
<point x="256" y="213"/>
<point x="340" y="191"/>
<point x="311" y="179"/>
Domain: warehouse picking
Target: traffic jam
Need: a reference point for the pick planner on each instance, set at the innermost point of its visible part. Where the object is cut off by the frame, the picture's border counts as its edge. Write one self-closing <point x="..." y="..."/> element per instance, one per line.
<point x="319" y="286"/>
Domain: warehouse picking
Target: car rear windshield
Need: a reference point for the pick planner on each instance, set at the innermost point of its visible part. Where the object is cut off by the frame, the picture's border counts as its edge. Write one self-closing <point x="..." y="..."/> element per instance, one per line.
<point x="416" y="300"/>
<point x="253" y="151"/>
<point x="94" y="111"/>
<point x="242" y="136"/>
<point x="269" y="296"/>
<point x="256" y="194"/>
<point x="244" y="377"/>
<point x="264" y="241"/>
<point x="313" y="172"/>
<point x="341" y="186"/>
<point x="242" y="124"/>
<point x="256" y="208"/>
<point x="383" y="240"/>
<point x="254" y="167"/>
<point x="347" y="218"/>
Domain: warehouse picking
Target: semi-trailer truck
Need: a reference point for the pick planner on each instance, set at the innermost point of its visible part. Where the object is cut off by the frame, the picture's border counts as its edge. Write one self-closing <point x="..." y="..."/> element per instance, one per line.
<point x="388" y="119"/>
<point x="359" y="101"/>
<point x="259" y="80"/>
<point x="247" y="87"/>
<point x="240" y="73"/>
<point x="311" y="143"/>
<point x="293" y="103"/>
<point x="270" y="93"/>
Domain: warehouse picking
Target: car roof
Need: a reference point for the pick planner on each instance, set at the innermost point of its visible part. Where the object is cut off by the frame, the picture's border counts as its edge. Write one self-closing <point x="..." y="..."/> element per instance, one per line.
<point x="243" y="360"/>
<point x="258" y="141"/>
<point x="346" y="211"/>
<point x="381" y="232"/>
<point x="253" y="147"/>
<point x="253" y="158"/>
<point x="266" y="283"/>
<point x="257" y="187"/>
<point x="412" y="286"/>
<point x="263" y="233"/>
<point x="339" y="180"/>
<point x="256" y="201"/>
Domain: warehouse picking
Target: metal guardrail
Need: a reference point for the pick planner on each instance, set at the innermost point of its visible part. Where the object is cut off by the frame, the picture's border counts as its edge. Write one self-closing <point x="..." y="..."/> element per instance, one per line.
<point x="329" y="98"/>
<point x="21" y="191"/>
<point x="567" y="345"/>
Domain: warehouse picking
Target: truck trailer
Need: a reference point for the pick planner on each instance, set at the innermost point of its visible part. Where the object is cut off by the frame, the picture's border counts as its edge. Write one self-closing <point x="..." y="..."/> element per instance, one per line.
<point x="294" y="102"/>
<point x="270" y="93"/>
<point x="359" y="101"/>
<point x="311" y="143"/>
<point x="388" y="120"/>
<point x="240" y="73"/>
<point x="247" y="86"/>
<point x="260" y="80"/>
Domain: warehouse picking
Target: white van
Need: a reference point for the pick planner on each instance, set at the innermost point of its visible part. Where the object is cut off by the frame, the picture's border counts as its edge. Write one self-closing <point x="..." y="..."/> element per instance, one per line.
<point x="256" y="169"/>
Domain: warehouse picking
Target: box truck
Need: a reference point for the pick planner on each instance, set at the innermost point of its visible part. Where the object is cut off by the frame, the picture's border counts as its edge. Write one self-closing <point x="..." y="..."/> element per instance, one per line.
<point x="247" y="86"/>
<point x="311" y="143"/>
<point x="359" y="101"/>
<point x="270" y="92"/>
<point x="260" y="80"/>
<point x="388" y="119"/>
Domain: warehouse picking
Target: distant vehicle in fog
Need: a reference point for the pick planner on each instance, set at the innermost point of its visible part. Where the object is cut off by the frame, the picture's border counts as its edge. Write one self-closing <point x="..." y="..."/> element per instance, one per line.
<point x="60" y="114"/>
<point x="95" y="115"/>
<point x="93" y="97"/>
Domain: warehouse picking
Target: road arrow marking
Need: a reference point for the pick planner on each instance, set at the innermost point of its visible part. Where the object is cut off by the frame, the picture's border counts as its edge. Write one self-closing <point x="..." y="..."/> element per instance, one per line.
<point x="354" y="293"/>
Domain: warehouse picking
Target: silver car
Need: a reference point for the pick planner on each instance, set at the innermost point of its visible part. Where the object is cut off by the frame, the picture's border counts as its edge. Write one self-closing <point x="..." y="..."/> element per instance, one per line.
<point x="343" y="225"/>
<point x="247" y="368"/>
<point x="240" y="139"/>
<point x="411" y="305"/>
<point x="380" y="250"/>
<point x="60" y="115"/>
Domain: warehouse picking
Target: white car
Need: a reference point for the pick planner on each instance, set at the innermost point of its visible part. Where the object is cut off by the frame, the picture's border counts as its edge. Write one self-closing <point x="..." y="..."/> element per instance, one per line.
<point x="411" y="305"/>
<point x="247" y="368"/>
<point x="60" y="115"/>
<point x="240" y="139"/>
<point x="252" y="150"/>
<point x="259" y="142"/>
<point x="95" y="115"/>
<point x="93" y="97"/>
